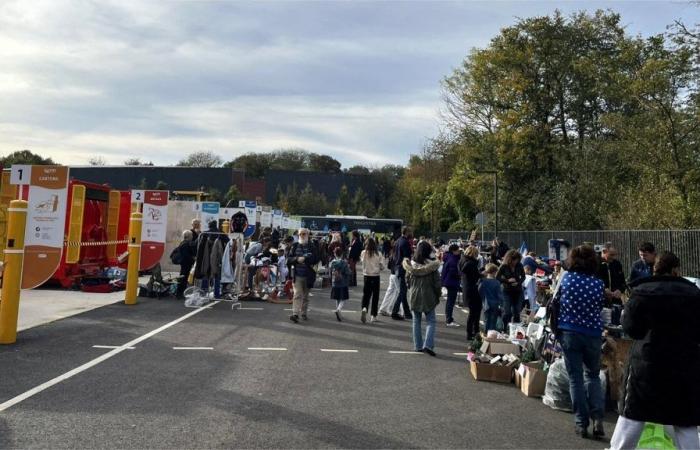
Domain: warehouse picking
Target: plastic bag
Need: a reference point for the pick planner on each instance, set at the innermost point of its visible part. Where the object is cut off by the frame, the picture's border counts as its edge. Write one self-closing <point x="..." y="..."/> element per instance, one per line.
<point x="195" y="297"/>
<point x="556" y="391"/>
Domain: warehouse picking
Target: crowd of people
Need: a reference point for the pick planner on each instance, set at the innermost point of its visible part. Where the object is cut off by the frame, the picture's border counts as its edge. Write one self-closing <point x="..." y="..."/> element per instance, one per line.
<point x="661" y="309"/>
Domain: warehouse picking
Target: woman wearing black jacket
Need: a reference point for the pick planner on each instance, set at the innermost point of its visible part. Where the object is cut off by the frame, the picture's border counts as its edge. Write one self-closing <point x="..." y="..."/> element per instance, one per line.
<point x="187" y="252"/>
<point x="511" y="274"/>
<point x="469" y="268"/>
<point x="661" y="379"/>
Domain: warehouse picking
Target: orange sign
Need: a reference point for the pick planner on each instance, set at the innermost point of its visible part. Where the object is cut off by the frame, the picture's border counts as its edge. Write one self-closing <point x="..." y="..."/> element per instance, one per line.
<point x="46" y="221"/>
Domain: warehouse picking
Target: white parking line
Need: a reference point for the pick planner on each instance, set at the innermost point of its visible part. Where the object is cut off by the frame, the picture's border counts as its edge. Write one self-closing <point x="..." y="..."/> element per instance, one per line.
<point x="405" y="353"/>
<point x="111" y="346"/>
<point x="337" y="350"/>
<point x="42" y="387"/>
<point x="193" y="348"/>
<point x="251" y="309"/>
<point x="272" y="349"/>
<point x="460" y="354"/>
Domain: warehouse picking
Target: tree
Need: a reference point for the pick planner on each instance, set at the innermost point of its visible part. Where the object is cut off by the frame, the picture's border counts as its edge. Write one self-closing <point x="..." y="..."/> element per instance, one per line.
<point x="233" y="196"/>
<point x="323" y="163"/>
<point x="136" y="162"/>
<point x="343" y="204"/>
<point x="201" y="159"/>
<point x="357" y="170"/>
<point x="361" y="204"/>
<point x="161" y="186"/>
<point x="24" y="157"/>
<point x="97" y="161"/>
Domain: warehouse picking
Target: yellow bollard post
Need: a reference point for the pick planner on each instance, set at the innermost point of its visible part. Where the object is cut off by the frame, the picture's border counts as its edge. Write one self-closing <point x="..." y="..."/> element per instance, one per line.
<point x="132" y="268"/>
<point x="225" y="226"/>
<point x="12" y="278"/>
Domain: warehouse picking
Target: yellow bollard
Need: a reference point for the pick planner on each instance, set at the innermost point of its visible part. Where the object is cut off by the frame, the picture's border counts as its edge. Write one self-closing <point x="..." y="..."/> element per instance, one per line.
<point x="132" y="268"/>
<point x="225" y="226"/>
<point x="12" y="279"/>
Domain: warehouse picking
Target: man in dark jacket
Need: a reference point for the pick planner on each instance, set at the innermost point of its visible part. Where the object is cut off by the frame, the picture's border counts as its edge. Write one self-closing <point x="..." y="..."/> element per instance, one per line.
<point x="354" y="255"/>
<point x="402" y="250"/>
<point x="660" y="384"/>
<point x="187" y="252"/>
<point x="610" y="271"/>
<point x="644" y="267"/>
<point x="302" y="257"/>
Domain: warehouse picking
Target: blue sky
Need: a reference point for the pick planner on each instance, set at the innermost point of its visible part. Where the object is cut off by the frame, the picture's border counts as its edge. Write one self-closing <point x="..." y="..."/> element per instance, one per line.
<point x="157" y="80"/>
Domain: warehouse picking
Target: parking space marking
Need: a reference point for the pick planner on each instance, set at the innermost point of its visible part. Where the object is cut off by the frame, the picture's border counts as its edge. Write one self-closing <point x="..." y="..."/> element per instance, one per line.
<point x="272" y="349"/>
<point x="111" y="347"/>
<point x="337" y="350"/>
<point x="396" y="352"/>
<point x="460" y="354"/>
<point x="250" y="309"/>
<point x="42" y="387"/>
<point x="193" y="348"/>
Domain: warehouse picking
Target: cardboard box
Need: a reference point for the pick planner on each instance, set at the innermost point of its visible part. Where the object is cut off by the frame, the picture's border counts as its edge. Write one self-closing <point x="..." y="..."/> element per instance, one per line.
<point x="532" y="378"/>
<point x="499" y="347"/>
<point x="491" y="372"/>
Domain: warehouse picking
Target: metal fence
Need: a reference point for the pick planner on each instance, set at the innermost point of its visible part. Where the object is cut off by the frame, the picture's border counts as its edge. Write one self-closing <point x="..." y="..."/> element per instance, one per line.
<point x="684" y="243"/>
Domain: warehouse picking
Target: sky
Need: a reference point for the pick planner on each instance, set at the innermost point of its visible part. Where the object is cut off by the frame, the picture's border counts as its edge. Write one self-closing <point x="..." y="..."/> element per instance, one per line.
<point x="357" y="80"/>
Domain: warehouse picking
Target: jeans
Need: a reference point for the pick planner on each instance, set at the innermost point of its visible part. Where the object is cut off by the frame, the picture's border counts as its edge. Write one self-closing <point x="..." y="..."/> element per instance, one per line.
<point x="353" y="272"/>
<point x="206" y="283"/>
<point x="182" y="282"/>
<point x="371" y="289"/>
<point x="402" y="301"/>
<point x="627" y="433"/>
<point x="512" y="306"/>
<point x="392" y="293"/>
<point x="491" y="318"/>
<point x="450" y="305"/>
<point x="418" y="343"/>
<point x="586" y="392"/>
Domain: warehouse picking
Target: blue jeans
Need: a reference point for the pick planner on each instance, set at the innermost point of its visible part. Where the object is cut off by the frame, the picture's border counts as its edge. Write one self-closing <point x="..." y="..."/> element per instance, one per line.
<point x="586" y="392"/>
<point x="450" y="305"/>
<point x="512" y="305"/>
<point x="217" y="286"/>
<point x="418" y="343"/>
<point x="402" y="300"/>
<point x="491" y="318"/>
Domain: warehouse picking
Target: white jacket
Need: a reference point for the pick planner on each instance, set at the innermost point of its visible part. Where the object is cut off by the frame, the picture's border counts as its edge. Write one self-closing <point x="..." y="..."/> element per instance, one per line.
<point x="371" y="265"/>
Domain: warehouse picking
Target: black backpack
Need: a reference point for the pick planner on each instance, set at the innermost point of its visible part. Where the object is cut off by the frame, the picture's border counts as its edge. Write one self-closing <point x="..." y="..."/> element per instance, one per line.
<point x="176" y="256"/>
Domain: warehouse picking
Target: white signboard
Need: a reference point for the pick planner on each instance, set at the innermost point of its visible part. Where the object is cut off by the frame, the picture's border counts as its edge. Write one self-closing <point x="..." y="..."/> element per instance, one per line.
<point x="277" y="218"/>
<point x="137" y="195"/>
<point x="20" y="174"/>
<point x="266" y="219"/>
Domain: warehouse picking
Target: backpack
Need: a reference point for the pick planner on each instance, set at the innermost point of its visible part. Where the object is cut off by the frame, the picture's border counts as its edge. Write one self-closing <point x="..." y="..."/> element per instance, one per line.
<point x="175" y="256"/>
<point x="337" y="275"/>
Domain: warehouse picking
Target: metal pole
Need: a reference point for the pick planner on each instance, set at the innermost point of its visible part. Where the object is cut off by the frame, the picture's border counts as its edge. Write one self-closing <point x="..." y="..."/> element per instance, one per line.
<point x="132" y="269"/>
<point x="495" y="201"/>
<point x="12" y="280"/>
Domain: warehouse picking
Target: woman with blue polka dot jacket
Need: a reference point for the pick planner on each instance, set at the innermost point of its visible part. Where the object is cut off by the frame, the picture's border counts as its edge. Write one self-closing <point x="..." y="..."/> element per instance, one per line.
<point x="582" y="296"/>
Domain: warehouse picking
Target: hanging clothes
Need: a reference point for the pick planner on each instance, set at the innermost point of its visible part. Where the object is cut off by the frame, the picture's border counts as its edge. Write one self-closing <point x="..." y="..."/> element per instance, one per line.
<point x="227" y="266"/>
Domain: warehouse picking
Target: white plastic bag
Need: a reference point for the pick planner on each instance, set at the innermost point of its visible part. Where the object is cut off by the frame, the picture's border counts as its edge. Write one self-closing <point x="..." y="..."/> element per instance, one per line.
<point x="556" y="391"/>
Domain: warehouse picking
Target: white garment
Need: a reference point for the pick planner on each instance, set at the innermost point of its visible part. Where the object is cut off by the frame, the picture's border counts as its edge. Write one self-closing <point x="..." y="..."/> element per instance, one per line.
<point x="627" y="433"/>
<point x="226" y="267"/>
<point x="282" y="269"/>
<point x="530" y="289"/>
<point x="341" y="303"/>
<point x="371" y="265"/>
<point x="392" y="294"/>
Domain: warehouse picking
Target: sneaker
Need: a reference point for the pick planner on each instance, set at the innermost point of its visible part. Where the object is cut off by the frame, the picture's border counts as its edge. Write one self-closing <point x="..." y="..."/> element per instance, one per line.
<point x="373" y="319"/>
<point x="429" y="351"/>
<point x="294" y="318"/>
<point x="598" y="430"/>
<point x="580" y="431"/>
<point x="408" y="316"/>
<point x="337" y="316"/>
<point x="396" y="317"/>
<point x="305" y="317"/>
<point x="453" y="324"/>
<point x="363" y="316"/>
<point x="385" y="314"/>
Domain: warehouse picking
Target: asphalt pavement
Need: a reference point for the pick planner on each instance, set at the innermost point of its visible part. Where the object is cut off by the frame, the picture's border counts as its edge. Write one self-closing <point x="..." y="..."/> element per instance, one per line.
<point x="250" y="378"/>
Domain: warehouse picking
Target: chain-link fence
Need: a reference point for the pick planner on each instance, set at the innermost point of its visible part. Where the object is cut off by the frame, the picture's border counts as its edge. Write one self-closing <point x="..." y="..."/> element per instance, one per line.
<point x="684" y="243"/>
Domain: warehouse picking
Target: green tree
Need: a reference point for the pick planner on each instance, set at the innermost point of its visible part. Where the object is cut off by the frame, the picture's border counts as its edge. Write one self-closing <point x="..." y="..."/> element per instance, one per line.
<point x="343" y="204"/>
<point x="232" y="197"/>
<point x="137" y="162"/>
<point x="162" y="186"/>
<point x="24" y="157"/>
<point x="323" y="163"/>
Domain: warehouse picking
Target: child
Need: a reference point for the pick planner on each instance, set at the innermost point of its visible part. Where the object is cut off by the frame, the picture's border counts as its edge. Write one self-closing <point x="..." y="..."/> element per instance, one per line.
<point x="340" y="279"/>
<point x="492" y="296"/>
<point x="530" y="289"/>
<point x="282" y="270"/>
